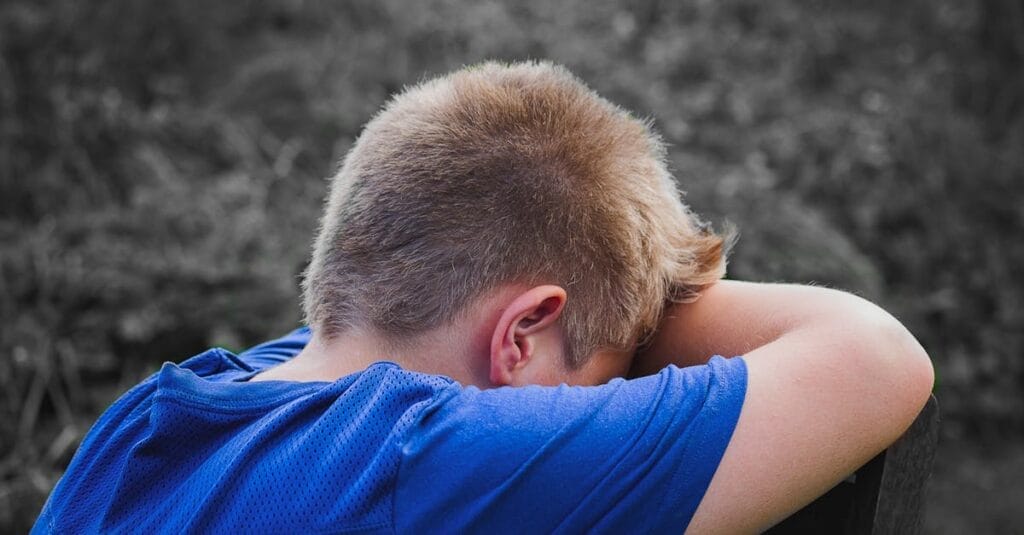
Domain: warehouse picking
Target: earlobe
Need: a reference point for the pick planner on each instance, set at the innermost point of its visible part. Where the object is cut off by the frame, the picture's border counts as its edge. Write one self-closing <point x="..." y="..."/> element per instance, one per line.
<point x="505" y="355"/>
<point x="512" y="344"/>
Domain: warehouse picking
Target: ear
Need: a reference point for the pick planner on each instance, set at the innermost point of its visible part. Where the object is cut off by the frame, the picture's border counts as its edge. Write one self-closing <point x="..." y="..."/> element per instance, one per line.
<point x="513" y="343"/>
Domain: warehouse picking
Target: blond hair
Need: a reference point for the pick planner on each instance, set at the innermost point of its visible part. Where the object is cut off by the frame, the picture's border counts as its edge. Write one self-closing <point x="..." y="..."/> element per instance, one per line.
<point x="500" y="174"/>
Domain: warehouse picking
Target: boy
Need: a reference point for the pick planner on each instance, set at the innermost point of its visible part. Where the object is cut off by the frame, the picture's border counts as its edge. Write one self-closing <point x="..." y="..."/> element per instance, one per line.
<point x="505" y="227"/>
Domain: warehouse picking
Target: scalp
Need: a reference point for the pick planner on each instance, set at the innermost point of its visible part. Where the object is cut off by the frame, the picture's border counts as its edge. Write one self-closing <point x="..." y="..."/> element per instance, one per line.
<point x="505" y="173"/>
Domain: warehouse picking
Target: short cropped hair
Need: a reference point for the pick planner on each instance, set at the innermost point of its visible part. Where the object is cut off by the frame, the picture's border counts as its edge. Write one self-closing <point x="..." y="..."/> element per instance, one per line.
<point x="499" y="174"/>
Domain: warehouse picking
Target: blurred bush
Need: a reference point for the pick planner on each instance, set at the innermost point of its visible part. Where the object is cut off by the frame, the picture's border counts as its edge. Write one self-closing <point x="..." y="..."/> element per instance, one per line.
<point x="162" y="166"/>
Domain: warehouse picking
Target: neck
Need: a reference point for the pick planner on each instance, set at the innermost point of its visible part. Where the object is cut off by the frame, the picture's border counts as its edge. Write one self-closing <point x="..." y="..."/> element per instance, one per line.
<point x="462" y="358"/>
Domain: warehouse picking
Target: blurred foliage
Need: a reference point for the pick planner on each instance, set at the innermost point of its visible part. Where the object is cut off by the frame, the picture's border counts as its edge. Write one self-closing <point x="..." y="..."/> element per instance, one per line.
<point x="162" y="168"/>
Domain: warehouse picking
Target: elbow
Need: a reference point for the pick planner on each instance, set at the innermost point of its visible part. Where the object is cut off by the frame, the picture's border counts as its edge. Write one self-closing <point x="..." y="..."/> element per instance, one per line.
<point x="914" y="367"/>
<point x="893" y="375"/>
<point x="902" y="376"/>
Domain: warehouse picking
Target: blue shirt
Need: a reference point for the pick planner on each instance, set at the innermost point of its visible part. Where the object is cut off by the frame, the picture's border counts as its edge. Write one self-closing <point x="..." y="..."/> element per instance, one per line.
<point x="198" y="448"/>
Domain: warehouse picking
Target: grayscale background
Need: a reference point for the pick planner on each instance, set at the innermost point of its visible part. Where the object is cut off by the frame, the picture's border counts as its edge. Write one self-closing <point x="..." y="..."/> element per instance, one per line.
<point x="162" y="166"/>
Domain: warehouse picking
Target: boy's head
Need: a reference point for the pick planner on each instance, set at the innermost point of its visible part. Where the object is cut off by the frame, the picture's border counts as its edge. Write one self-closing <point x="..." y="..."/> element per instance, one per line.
<point x="499" y="175"/>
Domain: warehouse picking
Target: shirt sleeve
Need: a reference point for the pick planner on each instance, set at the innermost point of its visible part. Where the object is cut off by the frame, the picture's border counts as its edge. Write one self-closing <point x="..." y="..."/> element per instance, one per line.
<point x="629" y="456"/>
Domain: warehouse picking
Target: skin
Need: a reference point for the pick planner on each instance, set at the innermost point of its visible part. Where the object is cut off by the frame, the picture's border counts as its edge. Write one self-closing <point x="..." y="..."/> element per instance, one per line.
<point x="509" y="338"/>
<point x="832" y="379"/>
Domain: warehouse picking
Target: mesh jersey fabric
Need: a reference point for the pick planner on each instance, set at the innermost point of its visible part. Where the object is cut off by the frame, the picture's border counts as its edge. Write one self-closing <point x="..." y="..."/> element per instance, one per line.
<point x="197" y="448"/>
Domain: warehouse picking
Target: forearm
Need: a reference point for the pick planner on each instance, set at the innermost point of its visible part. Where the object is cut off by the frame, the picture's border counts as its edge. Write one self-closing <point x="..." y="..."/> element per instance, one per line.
<point x="832" y="380"/>
<point x="809" y="347"/>
<point x="736" y="318"/>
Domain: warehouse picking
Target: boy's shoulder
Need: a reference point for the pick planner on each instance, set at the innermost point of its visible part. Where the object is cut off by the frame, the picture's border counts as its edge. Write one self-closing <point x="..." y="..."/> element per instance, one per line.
<point x="196" y="446"/>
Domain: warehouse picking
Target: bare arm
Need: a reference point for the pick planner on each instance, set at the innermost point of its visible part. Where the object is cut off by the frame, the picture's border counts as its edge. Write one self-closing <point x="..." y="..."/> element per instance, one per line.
<point x="832" y="381"/>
